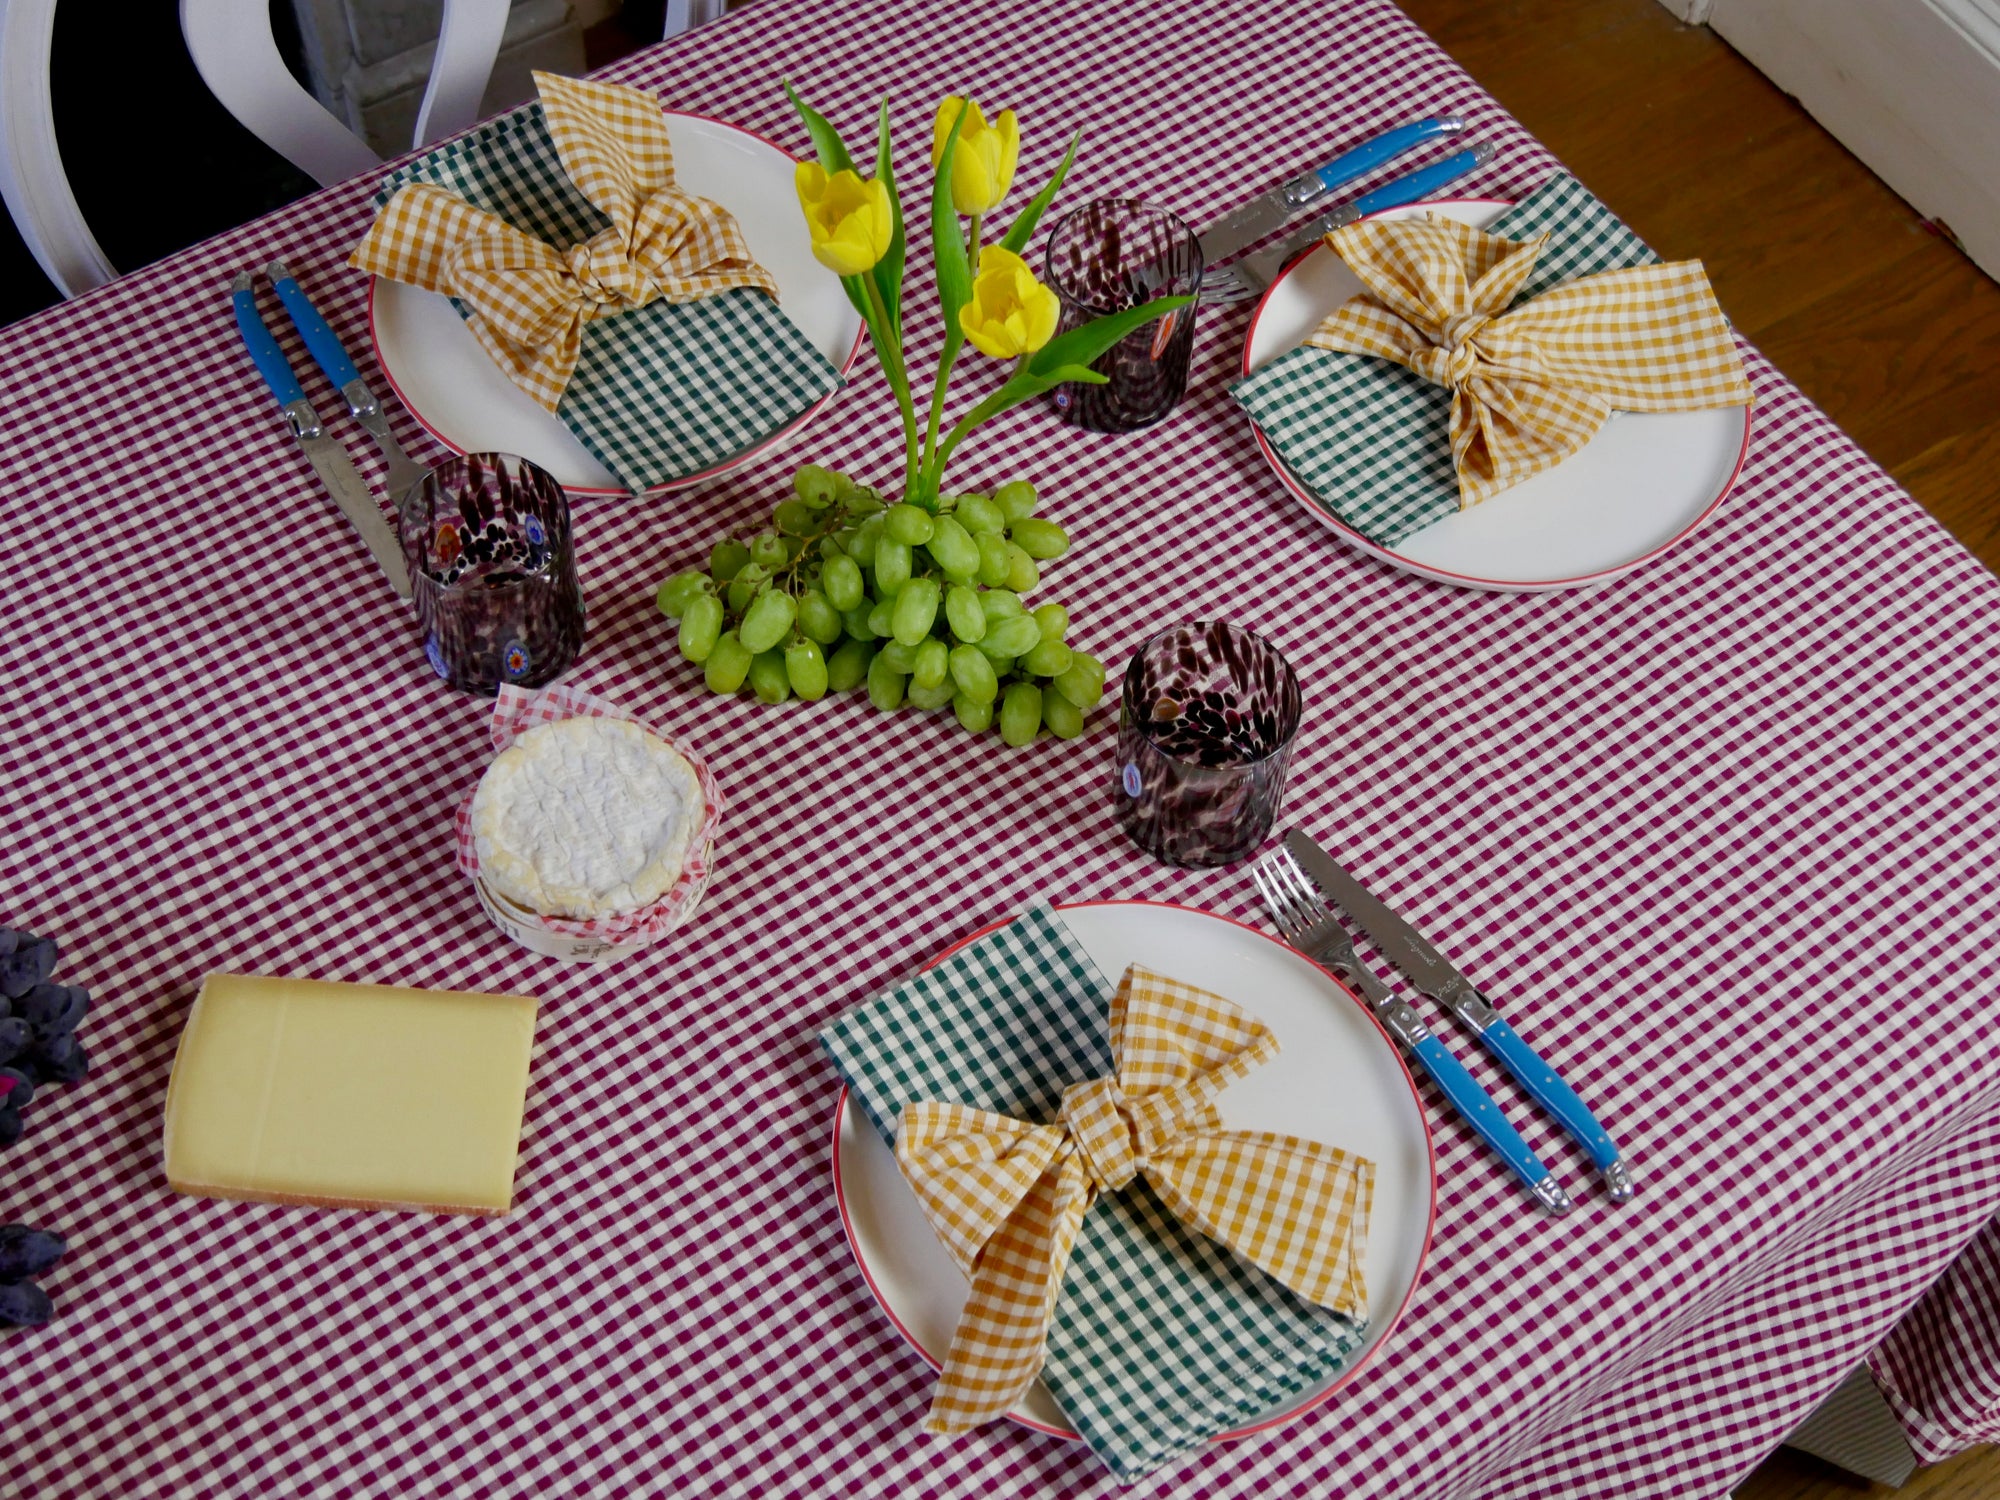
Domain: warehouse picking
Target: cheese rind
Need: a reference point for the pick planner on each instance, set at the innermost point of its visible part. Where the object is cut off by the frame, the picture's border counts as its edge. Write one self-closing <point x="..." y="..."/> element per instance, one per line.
<point x="585" y="817"/>
<point x="349" y="1096"/>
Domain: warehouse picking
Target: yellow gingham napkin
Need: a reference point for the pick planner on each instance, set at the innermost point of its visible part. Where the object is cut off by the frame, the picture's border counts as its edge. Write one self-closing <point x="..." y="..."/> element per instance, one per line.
<point x="1531" y="386"/>
<point x="527" y="302"/>
<point x="1008" y="1198"/>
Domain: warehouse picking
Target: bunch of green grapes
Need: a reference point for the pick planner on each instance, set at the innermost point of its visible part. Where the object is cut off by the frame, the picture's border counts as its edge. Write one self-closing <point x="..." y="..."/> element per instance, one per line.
<point x="920" y="607"/>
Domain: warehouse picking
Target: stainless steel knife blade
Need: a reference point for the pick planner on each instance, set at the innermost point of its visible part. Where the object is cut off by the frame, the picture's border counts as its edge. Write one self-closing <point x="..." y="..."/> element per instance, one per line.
<point x="1428" y="969"/>
<point x="357" y="502"/>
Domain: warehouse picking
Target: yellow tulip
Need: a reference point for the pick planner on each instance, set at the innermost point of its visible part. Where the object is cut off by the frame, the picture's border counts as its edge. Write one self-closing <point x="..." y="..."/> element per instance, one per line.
<point x="1010" y="313"/>
<point x="982" y="166"/>
<point x="847" y="215"/>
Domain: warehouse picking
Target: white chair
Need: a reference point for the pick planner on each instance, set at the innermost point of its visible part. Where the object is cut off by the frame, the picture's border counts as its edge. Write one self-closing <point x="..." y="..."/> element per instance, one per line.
<point x="685" y="15"/>
<point x="237" y="56"/>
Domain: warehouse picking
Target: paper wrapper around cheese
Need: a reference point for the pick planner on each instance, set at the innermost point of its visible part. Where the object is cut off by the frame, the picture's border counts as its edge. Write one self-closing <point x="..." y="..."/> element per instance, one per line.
<point x="349" y="1095"/>
<point x="517" y="710"/>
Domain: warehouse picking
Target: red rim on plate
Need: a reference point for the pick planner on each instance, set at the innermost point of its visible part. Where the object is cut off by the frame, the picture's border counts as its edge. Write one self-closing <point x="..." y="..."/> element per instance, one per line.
<point x="1317" y="508"/>
<point x="854" y="353"/>
<point x="1377" y="1341"/>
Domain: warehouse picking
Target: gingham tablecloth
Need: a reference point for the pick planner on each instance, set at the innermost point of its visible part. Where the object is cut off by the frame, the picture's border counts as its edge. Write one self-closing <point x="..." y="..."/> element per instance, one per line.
<point x="1721" y="836"/>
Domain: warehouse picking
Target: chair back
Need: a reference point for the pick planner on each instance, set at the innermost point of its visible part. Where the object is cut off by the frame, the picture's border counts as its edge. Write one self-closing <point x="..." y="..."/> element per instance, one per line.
<point x="32" y="180"/>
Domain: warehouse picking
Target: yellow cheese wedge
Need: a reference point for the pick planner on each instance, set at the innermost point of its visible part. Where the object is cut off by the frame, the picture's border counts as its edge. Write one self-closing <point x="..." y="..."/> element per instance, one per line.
<point x="349" y="1095"/>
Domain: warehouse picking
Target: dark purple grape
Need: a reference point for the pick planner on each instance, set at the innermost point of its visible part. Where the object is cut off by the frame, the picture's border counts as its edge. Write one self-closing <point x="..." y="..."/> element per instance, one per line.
<point x="11" y="1124"/>
<point x="52" y="1009"/>
<point x="9" y="941"/>
<point x="15" y="1037"/>
<point x="20" y="1086"/>
<point x="61" y="1059"/>
<point x="31" y="962"/>
<point x="25" y="1305"/>
<point x="26" y="1252"/>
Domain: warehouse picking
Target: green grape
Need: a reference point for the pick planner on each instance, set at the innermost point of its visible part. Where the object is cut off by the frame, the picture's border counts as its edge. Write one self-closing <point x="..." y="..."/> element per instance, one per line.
<point x="744" y="586"/>
<point x="1082" y="681"/>
<point x="1015" y="500"/>
<point x="963" y="613"/>
<point x="892" y="567"/>
<point x="866" y="537"/>
<point x="847" y="667"/>
<point x="1048" y="657"/>
<point x="793" y="517"/>
<point x="881" y="615"/>
<point x="898" y="657"/>
<point x="932" y="665"/>
<point x="855" y="623"/>
<point x="767" y="677"/>
<point x="768" y="621"/>
<point x="1064" y="718"/>
<point x="978" y="514"/>
<point x="1020" y="713"/>
<point x="885" y="685"/>
<point x="767" y="550"/>
<point x="954" y="550"/>
<point x="818" y="619"/>
<point x="726" y="557"/>
<point x="992" y="558"/>
<point x="805" y="668"/>
<point x="909" y="524"/>
<point x="816" y="486"/>
<point x="1022" y="574"/>
<point x="1002" y="665"/>
<point x="1014" y="636"/>
<point x="916" y="611"/>
<point x="1038" y="538"/>
<point x="794" y="545"/>
<point x="681" y="590"/>
<point x="841" y="578"/>
<point x="833" y="544"/>
<point x="700" y="626"/>
<point x="939" y="696"/>
<point x="727" y="665"/>
<point x="974" y="715"/>
<point x="999" y="604"/>
<point x="1053" y="619"/>
<point x="974" y="674"/>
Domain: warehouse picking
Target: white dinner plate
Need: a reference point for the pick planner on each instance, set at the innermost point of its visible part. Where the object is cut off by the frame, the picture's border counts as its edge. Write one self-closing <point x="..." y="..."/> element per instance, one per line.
<point x="1646" y="481"/>
<point x="1337" y="1078"/>
<point x="460" y="397"/>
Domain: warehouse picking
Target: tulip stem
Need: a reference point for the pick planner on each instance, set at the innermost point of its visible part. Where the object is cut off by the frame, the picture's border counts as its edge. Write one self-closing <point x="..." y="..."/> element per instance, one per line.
<point x="889" y="350"/>
<point x="954" y="340"/>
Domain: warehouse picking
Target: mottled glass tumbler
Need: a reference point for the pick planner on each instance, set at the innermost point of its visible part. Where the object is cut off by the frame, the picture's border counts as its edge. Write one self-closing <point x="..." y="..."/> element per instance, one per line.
<point x="1205" y="730"/>
<point x="1106" y="257"/>
<point x="492" y="572"/>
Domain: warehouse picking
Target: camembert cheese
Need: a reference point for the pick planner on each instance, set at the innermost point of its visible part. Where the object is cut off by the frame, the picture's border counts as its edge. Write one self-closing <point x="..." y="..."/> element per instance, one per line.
<point x="586" y="817"/>
<point x="349" y="1095"/>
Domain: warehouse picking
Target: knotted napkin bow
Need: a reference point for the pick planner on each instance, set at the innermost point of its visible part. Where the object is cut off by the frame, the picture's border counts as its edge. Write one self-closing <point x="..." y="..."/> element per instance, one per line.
<point x="527" y="301"/>
<point x="1532" y="386"/>
<point x="1007" y="1198"/>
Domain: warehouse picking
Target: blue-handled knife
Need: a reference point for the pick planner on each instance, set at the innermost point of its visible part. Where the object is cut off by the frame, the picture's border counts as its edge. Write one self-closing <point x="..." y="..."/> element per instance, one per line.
<point x="329" y="460"/>
<point x="1432" y="974"/>
<point x="1267" y="213"/>
<point x="331" y="356"/>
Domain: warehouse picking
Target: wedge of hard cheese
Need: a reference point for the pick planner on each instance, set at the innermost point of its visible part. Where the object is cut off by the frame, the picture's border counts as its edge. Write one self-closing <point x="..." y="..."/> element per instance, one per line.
<point x="349" y="1095"/>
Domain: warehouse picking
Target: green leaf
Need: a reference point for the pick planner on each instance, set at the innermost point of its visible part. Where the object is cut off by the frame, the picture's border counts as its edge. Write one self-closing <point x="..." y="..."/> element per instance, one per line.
<point x="1082" y="344"/>
<point x="947" y="239"/>
<point x="889" y="270"/>
<point x="826" y="140"/>
<point x="1022" y="229"/>
<point x="857" y="293"/>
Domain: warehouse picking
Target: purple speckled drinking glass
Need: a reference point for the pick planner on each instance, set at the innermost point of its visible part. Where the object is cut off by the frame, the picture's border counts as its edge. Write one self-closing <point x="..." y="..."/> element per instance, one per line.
<point x="1106" y="257"/>
<point x="492" y="572"/>
<point x="1205" y="729"/>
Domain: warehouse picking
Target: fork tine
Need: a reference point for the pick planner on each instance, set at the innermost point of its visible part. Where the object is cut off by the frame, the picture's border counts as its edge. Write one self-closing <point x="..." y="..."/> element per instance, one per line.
<point x="1223" y="285"/>
<point x="1286" y="869"/>
<point x="1293" y="916"/>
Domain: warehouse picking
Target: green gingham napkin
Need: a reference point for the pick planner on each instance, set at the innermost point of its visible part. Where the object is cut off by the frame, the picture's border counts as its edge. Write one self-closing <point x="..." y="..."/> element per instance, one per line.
<point x="1371" y="439"/>
<point x="661" y="391"/>
<point x="1162" y="1338"/>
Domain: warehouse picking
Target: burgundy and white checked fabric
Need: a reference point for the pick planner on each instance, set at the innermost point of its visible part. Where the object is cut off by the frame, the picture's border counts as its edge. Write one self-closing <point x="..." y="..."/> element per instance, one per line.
<point x="1720" y="838"/>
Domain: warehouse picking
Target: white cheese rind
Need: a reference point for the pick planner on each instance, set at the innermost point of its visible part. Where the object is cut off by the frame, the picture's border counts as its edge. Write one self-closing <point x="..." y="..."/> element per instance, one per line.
<point x="586" y="817"/>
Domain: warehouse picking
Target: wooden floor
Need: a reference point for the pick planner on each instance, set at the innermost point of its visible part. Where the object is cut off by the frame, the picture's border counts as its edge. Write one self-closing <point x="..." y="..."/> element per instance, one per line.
<point x="1892" y="331"/>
